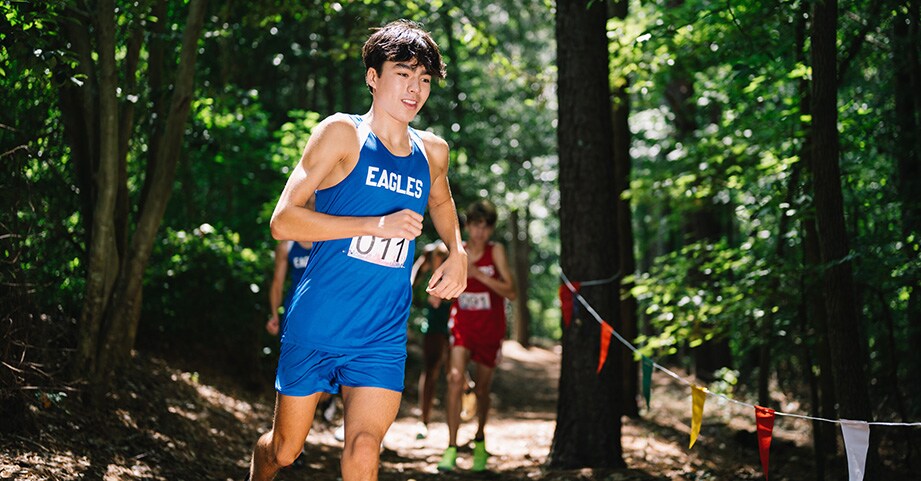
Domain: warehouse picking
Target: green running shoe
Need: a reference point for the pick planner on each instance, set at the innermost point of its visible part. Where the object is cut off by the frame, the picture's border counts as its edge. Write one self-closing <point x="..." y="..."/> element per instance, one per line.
<point x="448" y="459"/>
<point x="479" y="456"/>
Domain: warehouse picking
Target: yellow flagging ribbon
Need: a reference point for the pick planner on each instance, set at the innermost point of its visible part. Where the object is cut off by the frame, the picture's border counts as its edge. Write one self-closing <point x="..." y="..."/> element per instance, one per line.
<point x="698" y="396"/>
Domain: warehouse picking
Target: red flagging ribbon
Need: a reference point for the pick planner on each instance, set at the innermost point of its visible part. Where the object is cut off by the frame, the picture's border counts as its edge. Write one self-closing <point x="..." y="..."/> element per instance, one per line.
<point x="606" y="331"/>
<point x="566" y="303"/>
<point x="764" y="418"/>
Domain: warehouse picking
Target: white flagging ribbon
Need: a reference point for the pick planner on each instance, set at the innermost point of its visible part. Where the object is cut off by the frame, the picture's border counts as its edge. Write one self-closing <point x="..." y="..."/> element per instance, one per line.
<point x="658" y="366"/>
<point x="856" y="442"/>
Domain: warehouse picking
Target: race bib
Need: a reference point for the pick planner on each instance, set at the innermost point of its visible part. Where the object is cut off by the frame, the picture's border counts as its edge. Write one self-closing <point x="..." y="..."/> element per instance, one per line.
<point x="380" y="251"/>
<point x="474" y="301"/>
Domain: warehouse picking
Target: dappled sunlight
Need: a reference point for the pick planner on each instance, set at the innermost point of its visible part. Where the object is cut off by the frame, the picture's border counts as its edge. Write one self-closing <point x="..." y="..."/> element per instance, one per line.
<point x="241" y="410"/>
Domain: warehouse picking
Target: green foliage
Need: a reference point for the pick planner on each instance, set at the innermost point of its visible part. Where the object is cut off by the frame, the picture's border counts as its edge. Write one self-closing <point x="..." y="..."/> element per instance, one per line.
<point x="230" y="173"/>
<point x="40" y="233"/>
<point x="718" y="186"/>
<point x="203" y="291"/>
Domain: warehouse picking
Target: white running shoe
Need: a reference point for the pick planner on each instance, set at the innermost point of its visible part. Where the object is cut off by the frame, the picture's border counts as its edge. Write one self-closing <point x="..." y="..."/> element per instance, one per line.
<point x="422" y="431"/>
<point x="329" y="414"/>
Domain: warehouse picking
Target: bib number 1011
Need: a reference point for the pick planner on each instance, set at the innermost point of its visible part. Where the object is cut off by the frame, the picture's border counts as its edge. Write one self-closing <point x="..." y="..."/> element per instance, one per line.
<point x="380" y="251"/>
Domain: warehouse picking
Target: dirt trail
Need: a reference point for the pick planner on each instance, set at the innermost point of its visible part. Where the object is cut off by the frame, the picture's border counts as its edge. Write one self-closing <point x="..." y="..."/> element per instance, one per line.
<point x="520" y="432"/>
<point x="168" y="424"/>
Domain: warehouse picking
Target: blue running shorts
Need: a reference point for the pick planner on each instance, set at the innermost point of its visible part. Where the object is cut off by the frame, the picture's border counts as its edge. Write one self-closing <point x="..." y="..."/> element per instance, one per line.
<point x="303" y="371"/>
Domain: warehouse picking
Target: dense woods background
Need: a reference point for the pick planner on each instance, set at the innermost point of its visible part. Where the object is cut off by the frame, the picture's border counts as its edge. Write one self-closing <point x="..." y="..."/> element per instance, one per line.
<point x="748" y="173"/>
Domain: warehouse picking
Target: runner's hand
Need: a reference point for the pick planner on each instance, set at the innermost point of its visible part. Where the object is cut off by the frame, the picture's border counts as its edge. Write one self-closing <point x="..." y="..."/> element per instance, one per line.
<point x="450" y="279"/>
<point x="272" y="325"/>
<point x="434" y="301"/>
<point x="406" y="224"/>
<point x="472" y="270"/>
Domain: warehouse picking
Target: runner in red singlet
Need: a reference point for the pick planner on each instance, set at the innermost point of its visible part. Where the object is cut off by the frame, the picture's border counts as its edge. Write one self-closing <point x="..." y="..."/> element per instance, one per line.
<point x="477" y="328"/>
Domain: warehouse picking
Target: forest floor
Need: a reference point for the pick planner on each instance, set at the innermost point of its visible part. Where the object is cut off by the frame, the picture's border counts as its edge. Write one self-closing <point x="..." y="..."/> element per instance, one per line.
<point x="165" y="423"/>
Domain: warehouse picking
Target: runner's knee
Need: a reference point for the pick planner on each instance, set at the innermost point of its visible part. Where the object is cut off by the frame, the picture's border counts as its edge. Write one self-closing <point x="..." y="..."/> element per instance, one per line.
<point x="455" y="378"/>
<point x="363" y="446"/>
<point x="286" y="451"/>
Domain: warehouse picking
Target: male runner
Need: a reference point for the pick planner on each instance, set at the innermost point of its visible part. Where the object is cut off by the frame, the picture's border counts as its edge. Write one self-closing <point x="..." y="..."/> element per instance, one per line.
<point x="373" y="177"/>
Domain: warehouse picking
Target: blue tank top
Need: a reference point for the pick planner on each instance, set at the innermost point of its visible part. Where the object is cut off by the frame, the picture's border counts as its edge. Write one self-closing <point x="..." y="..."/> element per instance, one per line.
<point x="298" y="256"/>
<point x="355" y="294"/>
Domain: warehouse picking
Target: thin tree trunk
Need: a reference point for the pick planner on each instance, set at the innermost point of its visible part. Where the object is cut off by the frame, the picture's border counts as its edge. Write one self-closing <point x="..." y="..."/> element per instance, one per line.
<point x="703" y="224"/>
<point x="155" y="74"/>
<point x="455" y="77"/>
<point x="767" y="326"/>
<point x="847" y="352"/>
<point x="521" y="252"/>
<point x="102" y="258"/>
<point x="589" y="406"/>
<point x="627" y="321"/>
<point x="124" y="133"/>
<point x="79" y="107"/>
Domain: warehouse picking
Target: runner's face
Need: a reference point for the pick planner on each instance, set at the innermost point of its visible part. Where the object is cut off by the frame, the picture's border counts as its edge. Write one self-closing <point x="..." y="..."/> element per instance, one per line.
<point x="401" y="89"/>
<point x="479" y="233"/>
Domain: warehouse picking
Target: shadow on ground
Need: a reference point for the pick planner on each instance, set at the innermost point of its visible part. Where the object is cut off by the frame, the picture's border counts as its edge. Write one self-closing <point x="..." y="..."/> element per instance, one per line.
<point x="164" y="423"/>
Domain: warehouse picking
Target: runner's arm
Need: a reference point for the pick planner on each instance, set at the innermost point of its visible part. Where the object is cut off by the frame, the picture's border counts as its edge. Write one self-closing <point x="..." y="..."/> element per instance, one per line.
<point x="278" y="284"/>
<point x="505" y="284"/>
<point x="450" y="278"/>
<point x="332" y="142"/>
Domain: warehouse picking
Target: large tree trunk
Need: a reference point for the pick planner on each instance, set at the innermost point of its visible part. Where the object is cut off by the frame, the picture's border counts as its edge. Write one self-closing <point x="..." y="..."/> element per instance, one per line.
<point x="589" y="407"/>
<point x="627" y="321"/>
<point x="822" y="387"/>
<point x="521" y="250"/>
<point x="115" y="269"/>
<point x="825" y="436"/>
<point x="907" y="76"/>
<point x="848" y="354"/>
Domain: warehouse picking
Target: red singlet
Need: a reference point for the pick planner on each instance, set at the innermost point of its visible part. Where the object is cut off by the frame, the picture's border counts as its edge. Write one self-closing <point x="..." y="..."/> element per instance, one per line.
<point x="478" y="315"/>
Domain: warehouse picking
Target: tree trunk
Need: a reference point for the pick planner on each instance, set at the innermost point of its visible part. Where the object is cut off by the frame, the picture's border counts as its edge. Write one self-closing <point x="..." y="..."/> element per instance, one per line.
<point x="816" y="319"/>
<point x="102" y="257"/>
<point x="627" y="321"/>
<point x="454" y="76"/>
<point x="826" y="437"/>
<point x="521" y="249"/>
<point x="80" y="114"/>
<point x="115" y="269"/>
<point x="119" y="340"/>
<point x="589" y="406"/>
<point x="767" y="326"/>
<point x="125" y="129"/>
<point x="155" y="73"/>
<point x="907" y="145"/>
<point x="847" y="352"/>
